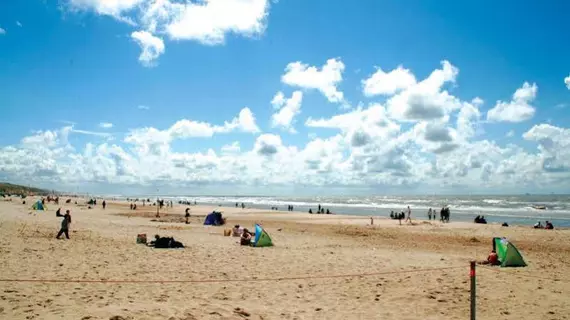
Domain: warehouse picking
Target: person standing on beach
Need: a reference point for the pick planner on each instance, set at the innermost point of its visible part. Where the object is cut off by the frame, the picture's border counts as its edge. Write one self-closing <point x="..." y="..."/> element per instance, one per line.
<point x="409" y="218"/>
<point x="187" y="215"/>
<point x="104" y="204"/>
<point x="429" y="214"/>
<point x="64" y="223"/>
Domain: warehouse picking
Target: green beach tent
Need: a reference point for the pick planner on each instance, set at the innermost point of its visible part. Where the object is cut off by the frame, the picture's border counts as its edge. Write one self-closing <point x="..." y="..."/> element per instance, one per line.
<point x="262" y="239"/>
<point x="508" y="254"/>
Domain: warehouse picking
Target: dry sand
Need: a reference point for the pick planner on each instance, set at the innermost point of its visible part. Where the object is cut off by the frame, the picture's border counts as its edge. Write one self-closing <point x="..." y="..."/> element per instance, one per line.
<point x="308" y="247"/>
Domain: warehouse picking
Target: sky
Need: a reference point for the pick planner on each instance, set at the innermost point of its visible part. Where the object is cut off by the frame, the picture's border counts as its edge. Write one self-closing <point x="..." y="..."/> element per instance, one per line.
<point x="288" y="97"/>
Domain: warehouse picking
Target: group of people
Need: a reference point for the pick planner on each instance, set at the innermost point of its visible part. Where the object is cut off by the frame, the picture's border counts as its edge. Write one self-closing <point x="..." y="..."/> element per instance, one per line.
<point x="401" y="215"/>
<point x="244" y="234"/>
<point x="480" y="219"/>
<point x="548" y="225"/>
<point x="165" y="243"/>
<point x="242" y="205"/>
<point x="320" y="210"/>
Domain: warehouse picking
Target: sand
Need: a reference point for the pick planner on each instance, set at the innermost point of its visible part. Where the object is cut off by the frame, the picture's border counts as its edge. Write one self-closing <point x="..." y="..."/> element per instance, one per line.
<point x="403" y="266"/>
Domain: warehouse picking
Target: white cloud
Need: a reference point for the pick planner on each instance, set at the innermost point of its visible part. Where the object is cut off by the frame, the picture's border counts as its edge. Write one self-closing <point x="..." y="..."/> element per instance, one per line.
<point x="388" y="83"/>
<point x="18" y="23"/>
<point x="152" y="47"/>
<point x="142" y="107"/>
<point x="113" y="8"/>
<point x="2" y="31"/>
<point x="287" y="110"/>
<point x="206" y="21"/>
<point x="518" y="109"/>
<point x="231" y="148"/>
<point x="157" y="142"/>
<point x="372" y="146"/>
<point x="554" y="146"/>
<point x="268" y="144"/>
<point x="510" y="134"/>
<point x="567" y="82"/>
<point x="209" y="21"/>
<point x="244" y="122"/>
<point x="105" y="125"/>
<point x="326" y="79"/>
<point x="426" y="100"/>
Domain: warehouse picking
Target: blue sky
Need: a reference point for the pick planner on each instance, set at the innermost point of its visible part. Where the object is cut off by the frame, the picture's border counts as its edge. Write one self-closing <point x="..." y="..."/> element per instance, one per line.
<point x="78" y="62"/>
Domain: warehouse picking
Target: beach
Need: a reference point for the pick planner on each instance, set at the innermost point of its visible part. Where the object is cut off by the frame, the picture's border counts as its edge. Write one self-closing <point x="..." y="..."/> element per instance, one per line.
<point x="320" y="267"/>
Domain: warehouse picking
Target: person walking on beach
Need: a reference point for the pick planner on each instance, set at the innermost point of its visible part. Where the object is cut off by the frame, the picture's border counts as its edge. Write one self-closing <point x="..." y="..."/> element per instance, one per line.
<point x="64" y="223"/>
<point x="409" y="218"/>
<point x="104" y="204"/>
<point x="429" y="214"/>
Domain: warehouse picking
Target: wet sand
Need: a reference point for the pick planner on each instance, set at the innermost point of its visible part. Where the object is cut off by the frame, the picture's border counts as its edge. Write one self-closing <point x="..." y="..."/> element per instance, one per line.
<point x="407" y="270"/>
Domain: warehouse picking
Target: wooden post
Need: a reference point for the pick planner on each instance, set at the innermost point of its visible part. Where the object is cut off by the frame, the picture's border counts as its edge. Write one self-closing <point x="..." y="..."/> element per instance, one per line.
<point x="473" y="288"/>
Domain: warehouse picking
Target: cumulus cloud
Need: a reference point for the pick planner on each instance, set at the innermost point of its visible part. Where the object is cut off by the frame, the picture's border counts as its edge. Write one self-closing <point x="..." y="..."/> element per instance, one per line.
<point x="567" y="82"/>
<point x="518" y="109"/>
<point x="325" y="79"/>
<point x="209" y="21"/>
<point x="432" y="142"/>
<point x="114" y="8"/>
<point x="287" y="110"/>
<point x="388" y="83"/>
<point x="232" y="148"/>
<point x="2" y="31"/>
<point x="152" y="47"/>
<point x="157" y="142"/>
<point x="106" y="125"/>
<point x="205" y="21"/>
<point x="18" y="23"/>
<point x="426" y="100"/>
<point x="268" y="144"/>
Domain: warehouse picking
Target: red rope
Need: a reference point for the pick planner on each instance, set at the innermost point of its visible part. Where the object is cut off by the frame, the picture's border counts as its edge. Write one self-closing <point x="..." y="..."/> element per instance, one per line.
<point x="229" y="280"/>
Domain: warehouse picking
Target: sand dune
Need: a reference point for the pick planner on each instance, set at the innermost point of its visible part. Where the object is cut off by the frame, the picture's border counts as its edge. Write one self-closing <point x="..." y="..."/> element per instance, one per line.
<point x="401" y="266"/>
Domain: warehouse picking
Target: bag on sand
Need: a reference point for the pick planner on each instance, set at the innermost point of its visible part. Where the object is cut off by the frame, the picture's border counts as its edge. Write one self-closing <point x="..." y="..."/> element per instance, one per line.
<point x="227" y="232"/>
<point x="141" y="238"/>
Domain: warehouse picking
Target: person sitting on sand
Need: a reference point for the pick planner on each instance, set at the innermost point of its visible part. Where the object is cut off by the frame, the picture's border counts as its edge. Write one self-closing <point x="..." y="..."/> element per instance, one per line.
<point x="483" y="220"/>
<point x="548" y="225"/>
<point x="237" y="231"/>
<point x="538" y="225"/>
<point x="328" y="211"/>
<point x="310" y="211"/>
<point x="477" y="219"/>
<point x="492" y="259"/>
<point x="246" y="237"/>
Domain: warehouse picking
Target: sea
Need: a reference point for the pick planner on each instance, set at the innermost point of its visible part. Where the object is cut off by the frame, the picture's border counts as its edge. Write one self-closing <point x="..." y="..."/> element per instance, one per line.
<point x="512" y="209"/>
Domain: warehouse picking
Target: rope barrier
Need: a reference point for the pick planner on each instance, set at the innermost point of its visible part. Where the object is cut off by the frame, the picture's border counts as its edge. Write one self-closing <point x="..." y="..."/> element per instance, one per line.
<point x="230" y="280"/>
<point x="525" y="275"/>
